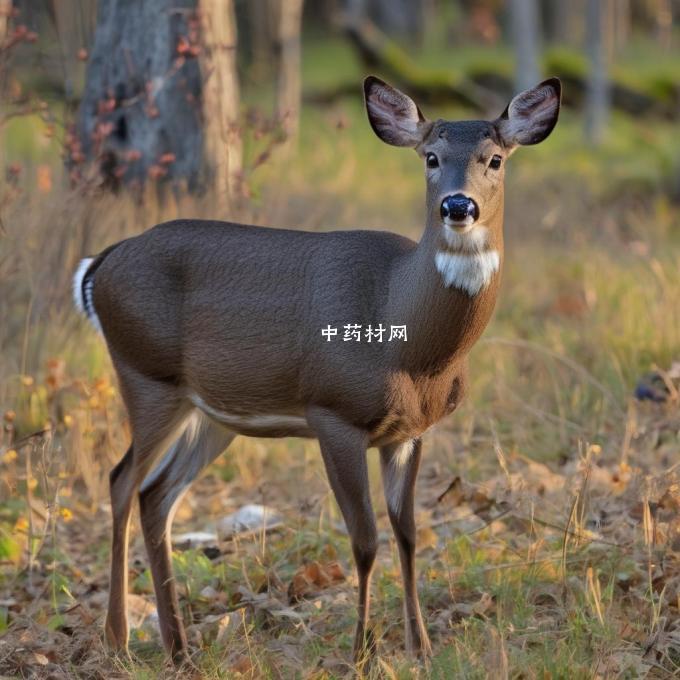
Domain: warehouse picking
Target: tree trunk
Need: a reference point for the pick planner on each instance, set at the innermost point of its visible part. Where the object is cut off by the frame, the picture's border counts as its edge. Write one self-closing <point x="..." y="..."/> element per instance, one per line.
<point x="558" y="21"/>
<point x="5" y="57"/>
<point x="355" y="10"/>
<point x="597" y="91"/>
<point x="5" y="12"/>
<point x="223" y="147"/>
<point x="261" y="37"/>
<point x="663" y="16"/>
<point x="73" y="23"/>
<point x="288" y="88"/>
<point x="378" y="52"/>
<point x="622" y="24"/>
<point x="524" y="20"/>
<point x="140" y="115"/>
<point x="404" y="18"/>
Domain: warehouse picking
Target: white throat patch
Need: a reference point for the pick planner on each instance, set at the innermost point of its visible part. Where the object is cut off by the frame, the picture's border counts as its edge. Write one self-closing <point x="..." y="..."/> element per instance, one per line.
<point x="465" y="263"/>
<point x="467" y="271"/>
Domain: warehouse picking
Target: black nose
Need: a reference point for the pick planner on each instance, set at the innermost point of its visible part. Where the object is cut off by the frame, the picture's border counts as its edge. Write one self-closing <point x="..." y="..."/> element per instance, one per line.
<point x="459" y="208"/>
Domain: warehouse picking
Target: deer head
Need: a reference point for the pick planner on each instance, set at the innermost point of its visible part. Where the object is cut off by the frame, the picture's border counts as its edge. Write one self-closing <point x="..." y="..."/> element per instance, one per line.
<point x="464" y="160"/>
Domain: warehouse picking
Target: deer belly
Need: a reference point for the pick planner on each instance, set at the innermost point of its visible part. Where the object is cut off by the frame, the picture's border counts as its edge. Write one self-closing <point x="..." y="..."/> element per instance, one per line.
<point x="256" y="424"/>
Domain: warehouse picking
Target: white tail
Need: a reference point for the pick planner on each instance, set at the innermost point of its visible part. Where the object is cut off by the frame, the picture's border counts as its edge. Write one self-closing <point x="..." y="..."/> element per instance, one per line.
<point x="82" y="292"/>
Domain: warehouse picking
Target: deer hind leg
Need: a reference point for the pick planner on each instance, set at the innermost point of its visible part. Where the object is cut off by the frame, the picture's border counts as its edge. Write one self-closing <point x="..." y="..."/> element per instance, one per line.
<point x="155" y="411"/>
<point x="399" y="466"/>
<point x="343" y="448"/>
<point x="199" y="444"/>
<point x="116" y="626"/>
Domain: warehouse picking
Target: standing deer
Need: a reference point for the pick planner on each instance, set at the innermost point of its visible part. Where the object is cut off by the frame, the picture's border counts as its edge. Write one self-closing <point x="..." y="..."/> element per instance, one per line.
<point x="214" y="330"/>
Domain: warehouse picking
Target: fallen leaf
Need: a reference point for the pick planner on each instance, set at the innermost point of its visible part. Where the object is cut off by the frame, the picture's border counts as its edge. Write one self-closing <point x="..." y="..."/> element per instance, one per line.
<point x="484" y="604"/>
<point x="426" y="538"/>
<point x="209" y="593"/>
<point x="242" y="665"/>
<point x="312" y="577"/>
<point x="40" y="659"/>
<point x="453" y="494"/>
<point x="219" y="627"/>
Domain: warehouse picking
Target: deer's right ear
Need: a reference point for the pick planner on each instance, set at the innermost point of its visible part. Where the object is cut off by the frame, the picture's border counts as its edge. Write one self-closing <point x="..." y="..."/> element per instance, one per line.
<point x="394" y="117"/>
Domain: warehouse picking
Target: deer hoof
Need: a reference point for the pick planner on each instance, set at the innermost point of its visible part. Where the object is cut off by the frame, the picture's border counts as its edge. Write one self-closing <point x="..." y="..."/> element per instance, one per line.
<point x="418" y="646"/>
<point x="116" y="638"/>
<point x="365" y="647"/>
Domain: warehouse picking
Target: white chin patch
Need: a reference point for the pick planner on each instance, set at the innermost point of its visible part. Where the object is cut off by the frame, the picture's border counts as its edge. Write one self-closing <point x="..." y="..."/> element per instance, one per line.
<point x="468" y="271"/>
<point x="458" y="227"/>
<point x="465" y="225"/>
<point x="468" y="239"/>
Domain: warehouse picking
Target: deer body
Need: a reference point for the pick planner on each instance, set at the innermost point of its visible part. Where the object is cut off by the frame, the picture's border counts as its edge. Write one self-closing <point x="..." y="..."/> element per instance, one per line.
<point x="181" y="335"/>
<point x="215" y="330"/>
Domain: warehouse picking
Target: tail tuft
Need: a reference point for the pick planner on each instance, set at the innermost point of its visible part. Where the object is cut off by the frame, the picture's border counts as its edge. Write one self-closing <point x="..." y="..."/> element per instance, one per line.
<point x="83" y="285"/>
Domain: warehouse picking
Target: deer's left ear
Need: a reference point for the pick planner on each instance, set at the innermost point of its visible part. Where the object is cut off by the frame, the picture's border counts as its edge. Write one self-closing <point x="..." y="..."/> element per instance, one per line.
<point x="531" y="116"/>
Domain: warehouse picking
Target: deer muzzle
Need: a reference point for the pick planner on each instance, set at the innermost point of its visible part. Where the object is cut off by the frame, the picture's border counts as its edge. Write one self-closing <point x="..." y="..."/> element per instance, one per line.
<point x="459" y="211"/>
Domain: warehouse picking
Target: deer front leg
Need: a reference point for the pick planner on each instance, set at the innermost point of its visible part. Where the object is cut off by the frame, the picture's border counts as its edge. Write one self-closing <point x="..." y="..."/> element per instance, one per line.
<point x="343" y="448"/>
<point x="399" y="465"/>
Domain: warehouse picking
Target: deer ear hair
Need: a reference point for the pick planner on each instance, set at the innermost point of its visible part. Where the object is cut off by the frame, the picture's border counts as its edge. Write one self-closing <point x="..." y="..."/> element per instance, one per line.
<point x="531" y="115"/>
<point x="394" y="116"/>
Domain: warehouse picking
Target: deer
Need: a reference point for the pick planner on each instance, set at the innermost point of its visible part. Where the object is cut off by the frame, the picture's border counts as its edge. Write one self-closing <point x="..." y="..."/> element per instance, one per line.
<point x="215" y="330"/>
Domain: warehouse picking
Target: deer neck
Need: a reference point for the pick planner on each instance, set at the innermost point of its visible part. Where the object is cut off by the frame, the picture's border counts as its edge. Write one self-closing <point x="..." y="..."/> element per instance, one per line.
<point x="445" y="291"/>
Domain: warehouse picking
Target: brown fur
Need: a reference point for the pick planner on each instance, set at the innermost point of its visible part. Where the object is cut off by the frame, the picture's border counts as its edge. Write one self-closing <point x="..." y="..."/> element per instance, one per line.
<point x="233" y="314"/>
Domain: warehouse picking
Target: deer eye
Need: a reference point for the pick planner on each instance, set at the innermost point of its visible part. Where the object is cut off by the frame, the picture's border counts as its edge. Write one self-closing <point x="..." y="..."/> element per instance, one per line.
<point x="495" y="162"/>
<point x="431" y="160"/>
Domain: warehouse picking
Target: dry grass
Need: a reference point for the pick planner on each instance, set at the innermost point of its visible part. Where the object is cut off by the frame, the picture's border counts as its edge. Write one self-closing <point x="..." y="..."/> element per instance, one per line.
<point x="547" y="507"/>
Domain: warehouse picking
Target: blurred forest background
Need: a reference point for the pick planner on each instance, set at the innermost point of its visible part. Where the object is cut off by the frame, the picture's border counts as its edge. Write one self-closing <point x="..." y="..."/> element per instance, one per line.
<point x="550" y="541"/>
